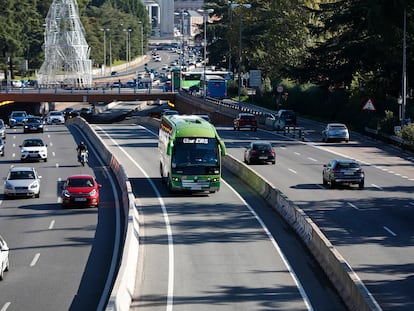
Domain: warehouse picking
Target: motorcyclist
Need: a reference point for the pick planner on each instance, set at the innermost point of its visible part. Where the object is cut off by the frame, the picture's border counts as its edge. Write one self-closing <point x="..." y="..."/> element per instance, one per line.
<point x="81" y="147"/>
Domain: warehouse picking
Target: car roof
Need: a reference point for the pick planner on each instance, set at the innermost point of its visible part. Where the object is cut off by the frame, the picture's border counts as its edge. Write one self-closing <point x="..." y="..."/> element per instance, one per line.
<point x="336" y="124"/>
<point x="81" y="176"/>
<point x="246" y="114"/>
<point x="345" y="160"/>
<point x="261" y="143"/>
<point x="33" y="138"/>
<point x="21" y="168"/>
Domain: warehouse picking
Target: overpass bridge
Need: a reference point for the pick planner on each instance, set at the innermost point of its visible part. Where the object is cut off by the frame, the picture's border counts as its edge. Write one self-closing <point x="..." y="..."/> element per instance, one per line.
<point x="72" y="95"/>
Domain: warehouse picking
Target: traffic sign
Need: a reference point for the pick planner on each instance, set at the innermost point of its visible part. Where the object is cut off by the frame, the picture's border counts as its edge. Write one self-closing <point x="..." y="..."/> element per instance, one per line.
<point x="369" y="105"/>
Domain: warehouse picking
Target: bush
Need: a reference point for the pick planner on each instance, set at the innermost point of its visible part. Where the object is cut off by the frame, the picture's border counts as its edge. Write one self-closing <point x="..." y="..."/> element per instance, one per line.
<point x="407" y="133"/>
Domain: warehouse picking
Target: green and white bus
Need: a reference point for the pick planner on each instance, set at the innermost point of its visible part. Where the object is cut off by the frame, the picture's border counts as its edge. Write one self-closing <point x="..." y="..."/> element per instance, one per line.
<point x="190" y="154"/>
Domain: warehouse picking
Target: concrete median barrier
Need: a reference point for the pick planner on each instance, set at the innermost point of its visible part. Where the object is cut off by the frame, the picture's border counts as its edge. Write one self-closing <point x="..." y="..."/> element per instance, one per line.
<point x="124" y="284"/>
<point x="347" y="283"/>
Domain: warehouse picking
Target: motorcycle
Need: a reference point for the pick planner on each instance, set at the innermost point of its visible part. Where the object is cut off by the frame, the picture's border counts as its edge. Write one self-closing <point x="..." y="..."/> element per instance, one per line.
<point x="83" y="157"/>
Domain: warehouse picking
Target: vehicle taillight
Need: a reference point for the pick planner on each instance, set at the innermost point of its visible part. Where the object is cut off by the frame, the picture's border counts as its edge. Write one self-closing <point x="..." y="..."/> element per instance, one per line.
<point x="254" y="151"/>
<point x="335" y="171"/>
<point x="273" y="152"/>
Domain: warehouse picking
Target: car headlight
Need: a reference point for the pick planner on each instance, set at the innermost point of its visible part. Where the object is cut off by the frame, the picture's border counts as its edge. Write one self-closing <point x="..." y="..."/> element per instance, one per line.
<point x="66" y="193"/>
<point x="34" y="185"/>
<point x="8" y="186"/>
<point x="92" y="193"/>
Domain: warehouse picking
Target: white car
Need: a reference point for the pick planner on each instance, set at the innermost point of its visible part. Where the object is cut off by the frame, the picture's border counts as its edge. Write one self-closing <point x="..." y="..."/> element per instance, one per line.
<point x="33" y="149"/>
<point x="55" y="117"/>
<point x="22" y="181"/>
<point x="4" y="257"/>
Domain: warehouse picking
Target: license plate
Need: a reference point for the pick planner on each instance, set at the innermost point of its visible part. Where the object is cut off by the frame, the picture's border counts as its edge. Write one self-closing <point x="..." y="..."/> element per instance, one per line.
<point x="262" y="158"/>
<point x="80" y="199"/>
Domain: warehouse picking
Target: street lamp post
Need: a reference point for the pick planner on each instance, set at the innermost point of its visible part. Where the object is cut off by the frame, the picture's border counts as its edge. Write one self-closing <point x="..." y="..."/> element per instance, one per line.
<point x="127" y="46"/>
<point x="404" y="73"/>
<point x="246" y="5"/>
<point x="142" y="37"/>
<point x="205" y="17"/>
<point x="104" y="50"/>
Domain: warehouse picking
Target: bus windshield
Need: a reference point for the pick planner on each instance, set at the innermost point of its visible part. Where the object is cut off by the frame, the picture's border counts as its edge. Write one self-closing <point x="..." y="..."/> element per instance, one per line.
<point x="195" y="152"/>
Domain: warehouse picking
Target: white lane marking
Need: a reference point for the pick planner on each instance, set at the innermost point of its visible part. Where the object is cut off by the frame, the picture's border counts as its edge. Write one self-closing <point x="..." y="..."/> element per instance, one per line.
<point x="276" y="246"/>
<point x="170" y="290"/>
<point x="312" y="159"/>
<point x="297" y="153"/>
<point x="376" y="186"/>
<point x="51" y="225"/>
<point x="57" y="165"/>
<point x="293" y="171"/>
<point x="53" y="153"/>
<point x="353" y="206"/>
<point x="389" y="231"/>
<point x="35" y="259"/>
<point x="6" y="306"/>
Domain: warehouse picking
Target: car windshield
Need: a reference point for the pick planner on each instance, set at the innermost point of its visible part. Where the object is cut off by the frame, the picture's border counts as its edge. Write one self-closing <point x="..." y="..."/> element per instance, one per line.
<point x="80" y="182"/>
<point x="337" y="127"/>
<point x="33" y="143"/>
<point x="347" y="165"/>
<point x="56" y="113"/>
<point x="19" y="114"/>
<point x="33" y="120"/>
<point x="262" y="147"/>
<point x="21" y="175"/>
<point x="247" y="117"/>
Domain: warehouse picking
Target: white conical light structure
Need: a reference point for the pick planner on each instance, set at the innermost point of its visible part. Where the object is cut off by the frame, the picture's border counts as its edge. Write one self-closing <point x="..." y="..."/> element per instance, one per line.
<point x="66" y="50"/>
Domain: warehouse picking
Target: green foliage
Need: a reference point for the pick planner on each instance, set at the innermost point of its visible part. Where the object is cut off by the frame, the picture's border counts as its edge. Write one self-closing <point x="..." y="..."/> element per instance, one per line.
<point x="407" y="133"/>
<point x="22" y="30"/>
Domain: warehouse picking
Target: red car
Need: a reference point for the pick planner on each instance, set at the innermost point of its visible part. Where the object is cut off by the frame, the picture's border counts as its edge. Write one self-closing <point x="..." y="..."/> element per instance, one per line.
<point x="245" y="120"/>
<point x="80" y="190"/>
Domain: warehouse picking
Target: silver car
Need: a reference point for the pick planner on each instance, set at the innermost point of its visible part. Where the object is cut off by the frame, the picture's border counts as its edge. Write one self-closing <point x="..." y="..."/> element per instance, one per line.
<point x="22" y="181"/>
<point x="4" y="257"/>
<point x="335" y="132"/>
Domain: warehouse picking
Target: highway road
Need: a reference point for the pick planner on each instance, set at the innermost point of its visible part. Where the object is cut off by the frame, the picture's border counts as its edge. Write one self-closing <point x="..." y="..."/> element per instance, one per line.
<point x="224" y="251"/>
<point x="59" y="259"/>
<point x="371" y="228"/>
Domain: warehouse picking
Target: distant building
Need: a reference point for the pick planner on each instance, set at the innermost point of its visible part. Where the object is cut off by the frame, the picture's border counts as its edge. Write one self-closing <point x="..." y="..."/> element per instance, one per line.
<point x="163" y="20"/>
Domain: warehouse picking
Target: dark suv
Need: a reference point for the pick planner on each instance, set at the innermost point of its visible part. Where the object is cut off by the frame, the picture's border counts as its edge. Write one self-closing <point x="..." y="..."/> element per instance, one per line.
<point x="245" y="120"/>
<point x="288" y="115"/>
<point x="343" y="171"/>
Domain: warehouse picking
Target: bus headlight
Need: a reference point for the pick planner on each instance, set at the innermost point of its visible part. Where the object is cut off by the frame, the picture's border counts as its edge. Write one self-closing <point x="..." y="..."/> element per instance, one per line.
<point x="176" y="179"/>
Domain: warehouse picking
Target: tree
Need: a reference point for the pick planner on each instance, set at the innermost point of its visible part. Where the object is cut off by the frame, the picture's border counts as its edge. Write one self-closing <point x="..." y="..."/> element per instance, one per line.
<point x="358" y="37"/>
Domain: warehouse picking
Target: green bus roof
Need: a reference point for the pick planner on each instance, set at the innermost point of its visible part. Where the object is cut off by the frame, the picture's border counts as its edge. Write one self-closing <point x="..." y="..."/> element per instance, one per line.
<point x="191" y="126"/>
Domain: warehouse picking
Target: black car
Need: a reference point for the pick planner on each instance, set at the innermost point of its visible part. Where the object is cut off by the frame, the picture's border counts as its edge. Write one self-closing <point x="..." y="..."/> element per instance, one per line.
<point x="288" y="116"/>
<point x="68" y="112"/>
<point x="33" y="124"/>
<point x="343" y="172"/>
<point x="259" y="152"/>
